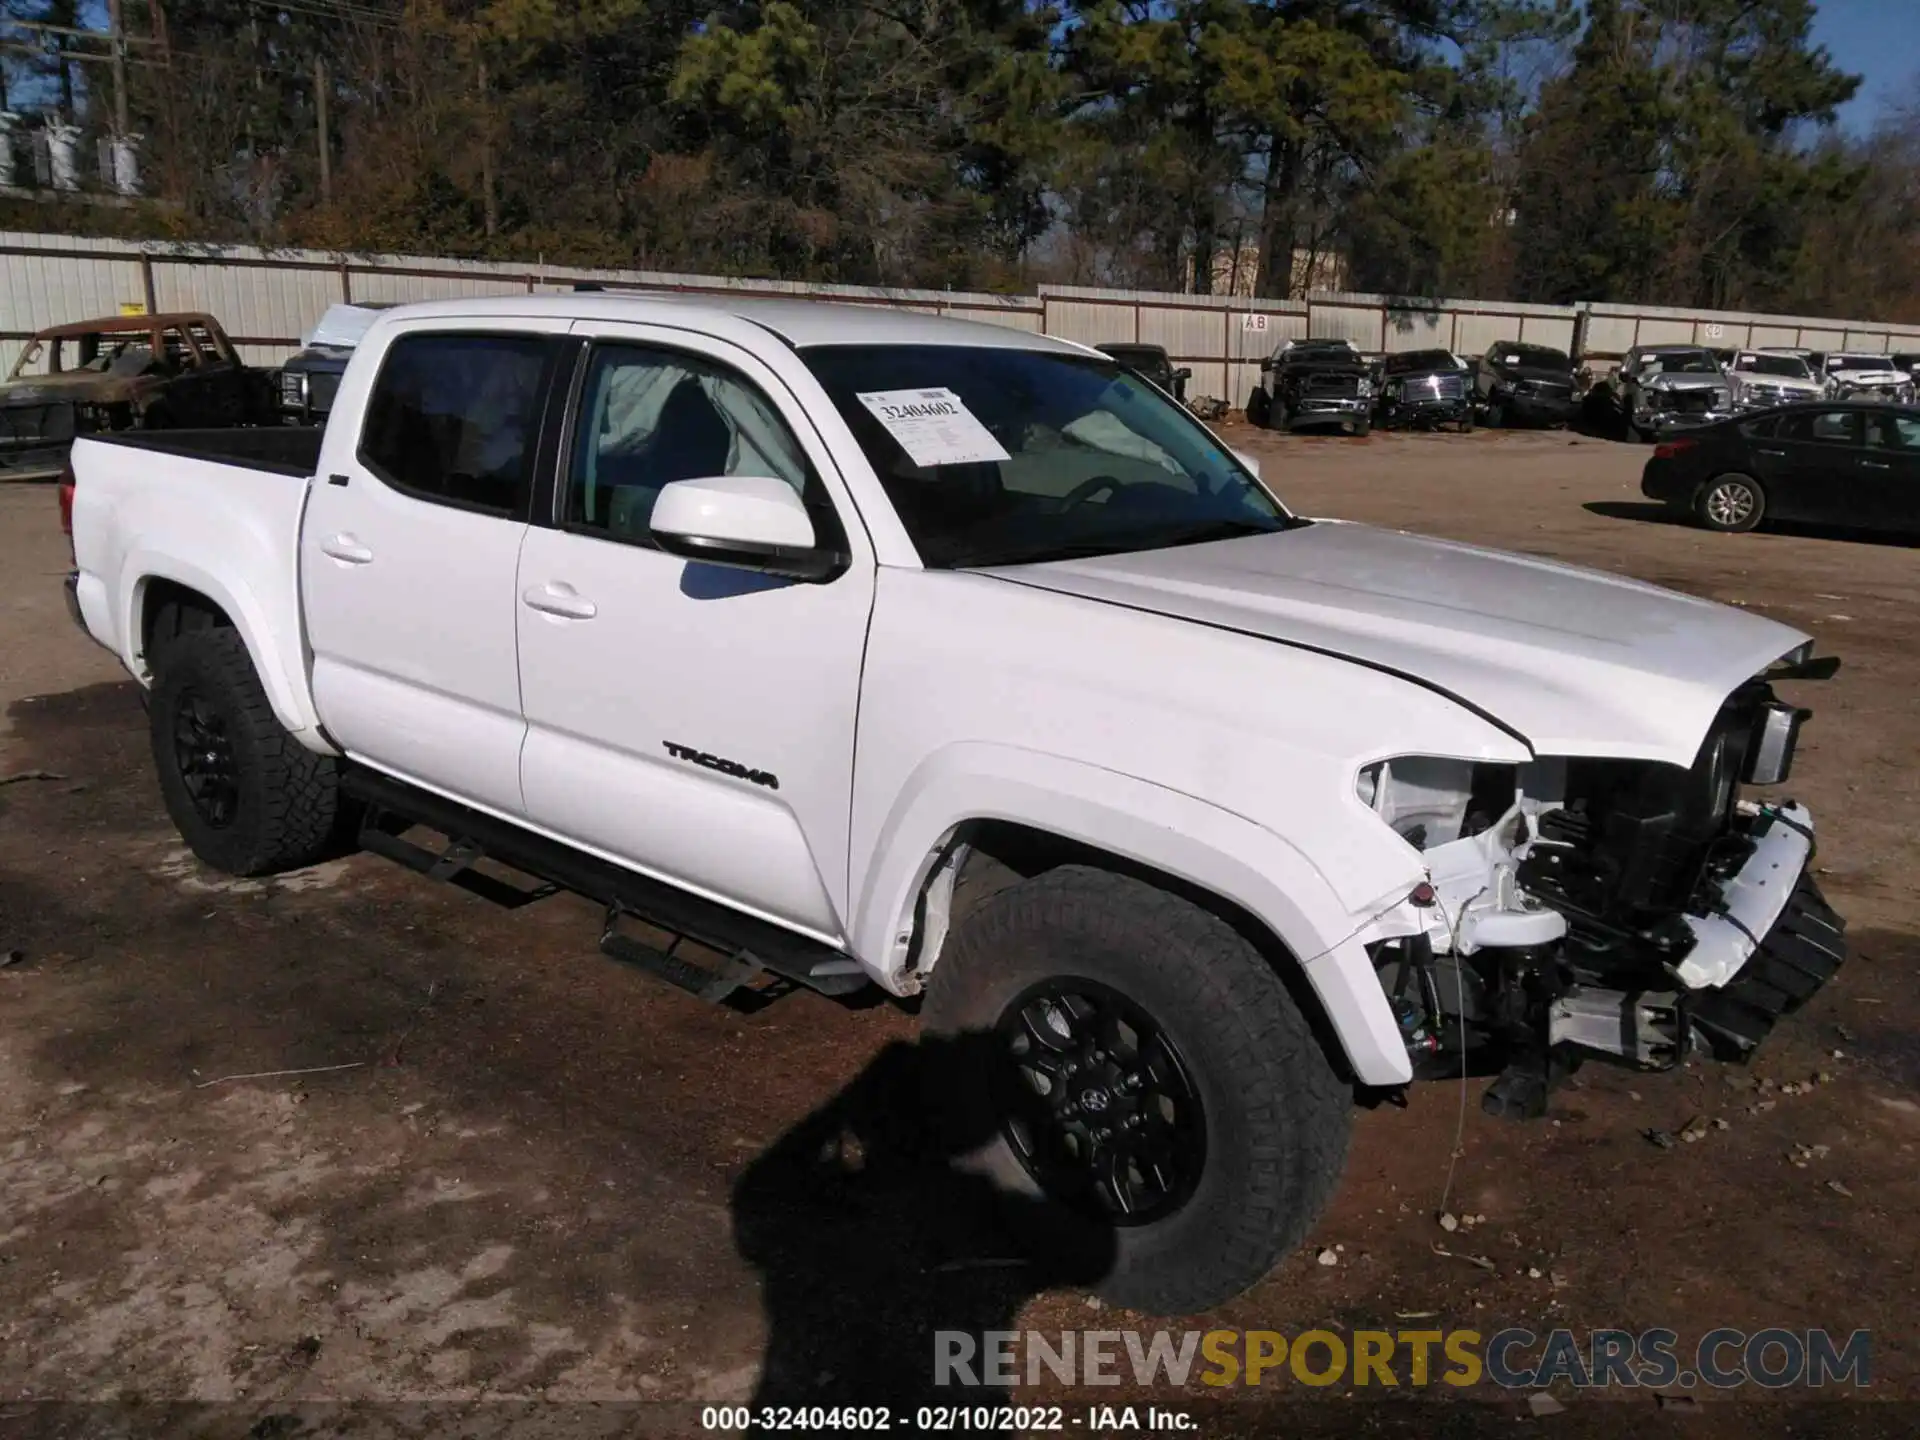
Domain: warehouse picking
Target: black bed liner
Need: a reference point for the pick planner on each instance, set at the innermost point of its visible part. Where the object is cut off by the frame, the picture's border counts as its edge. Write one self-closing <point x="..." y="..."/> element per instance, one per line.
<point x="292" y="450"/>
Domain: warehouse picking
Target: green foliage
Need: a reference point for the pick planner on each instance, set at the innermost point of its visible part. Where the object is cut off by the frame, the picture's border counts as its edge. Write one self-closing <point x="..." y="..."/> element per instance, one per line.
<point x="1699" y="191"/>
<point x="1664" y="150"/>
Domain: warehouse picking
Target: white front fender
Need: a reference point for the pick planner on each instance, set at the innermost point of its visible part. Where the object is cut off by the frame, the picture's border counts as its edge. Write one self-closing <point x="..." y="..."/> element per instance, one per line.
<point x="1199" y="843"/>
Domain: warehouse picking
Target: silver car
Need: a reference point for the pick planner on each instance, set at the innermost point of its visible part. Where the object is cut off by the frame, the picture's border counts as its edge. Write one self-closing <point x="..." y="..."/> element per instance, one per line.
<point x="1671" y="387"/>
<point x="1763" y="379"/>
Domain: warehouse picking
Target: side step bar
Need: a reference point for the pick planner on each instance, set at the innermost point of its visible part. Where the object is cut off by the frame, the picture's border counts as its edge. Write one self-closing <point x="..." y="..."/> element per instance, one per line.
<point x="760" y="960"/>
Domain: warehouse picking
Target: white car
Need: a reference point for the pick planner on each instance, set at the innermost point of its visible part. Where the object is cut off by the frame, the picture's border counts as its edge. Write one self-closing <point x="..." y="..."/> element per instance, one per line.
<point x="1763" y="379"/>
<point x="868" y="648"/>
<point x="1868" y="377"/>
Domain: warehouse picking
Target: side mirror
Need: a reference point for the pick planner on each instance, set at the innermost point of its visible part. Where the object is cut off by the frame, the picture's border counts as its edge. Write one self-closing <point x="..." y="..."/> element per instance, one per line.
<point x="1247" y="462"/>
<point x="1183" y="374"/>
<point x="747" y="522"/>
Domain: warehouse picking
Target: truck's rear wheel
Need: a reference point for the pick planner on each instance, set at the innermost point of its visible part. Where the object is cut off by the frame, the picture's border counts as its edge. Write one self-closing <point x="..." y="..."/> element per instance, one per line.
<point x="1155" y="1079"/>
<point x="247" y="798"/>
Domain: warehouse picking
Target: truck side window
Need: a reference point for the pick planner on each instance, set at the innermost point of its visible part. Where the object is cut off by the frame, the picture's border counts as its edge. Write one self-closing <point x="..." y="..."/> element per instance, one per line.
<point x="454" y="418"/>
<point x="650" y="417"/>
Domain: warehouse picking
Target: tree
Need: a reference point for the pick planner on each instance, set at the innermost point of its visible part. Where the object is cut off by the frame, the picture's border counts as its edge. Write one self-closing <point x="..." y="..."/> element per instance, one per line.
<point x="1664" y="165"/>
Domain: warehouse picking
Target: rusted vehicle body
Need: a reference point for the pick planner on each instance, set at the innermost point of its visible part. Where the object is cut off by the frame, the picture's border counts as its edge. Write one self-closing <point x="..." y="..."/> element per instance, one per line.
<point x="125" y="372"/>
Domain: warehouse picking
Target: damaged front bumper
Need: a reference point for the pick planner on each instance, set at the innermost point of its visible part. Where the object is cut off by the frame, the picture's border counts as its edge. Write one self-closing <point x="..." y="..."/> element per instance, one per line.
<point x="1764" y="941"/>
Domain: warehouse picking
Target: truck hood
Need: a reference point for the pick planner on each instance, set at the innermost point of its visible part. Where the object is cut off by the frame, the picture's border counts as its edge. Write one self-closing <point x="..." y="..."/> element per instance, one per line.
<point x="1574" y="661"/>
<point x="1687" y="382"/>
<point x="1534" y="373"/>
<point x="1782" y="382"/>
<point x="1871" y="377"/>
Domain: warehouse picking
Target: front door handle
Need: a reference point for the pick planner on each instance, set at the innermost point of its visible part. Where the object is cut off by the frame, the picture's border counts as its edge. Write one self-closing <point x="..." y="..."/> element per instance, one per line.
<point x="559" y="598"/>
<point x="1762" y="450"/>
<point x="346" y="548"/>
<point x="1873" y="465"/>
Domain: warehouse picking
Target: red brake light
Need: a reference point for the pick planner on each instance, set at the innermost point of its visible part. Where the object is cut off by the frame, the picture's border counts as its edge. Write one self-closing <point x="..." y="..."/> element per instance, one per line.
<point x="1668" y="449"/>
<point x="66" y="502"/>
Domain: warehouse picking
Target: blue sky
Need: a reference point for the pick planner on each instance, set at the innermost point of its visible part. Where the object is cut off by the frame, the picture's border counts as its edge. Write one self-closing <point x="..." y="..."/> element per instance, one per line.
<point x="1877" y="39"/>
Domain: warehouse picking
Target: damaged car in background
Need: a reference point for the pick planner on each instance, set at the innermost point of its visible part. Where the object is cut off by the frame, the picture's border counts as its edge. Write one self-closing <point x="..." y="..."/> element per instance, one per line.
<point x="1314" y="382"/>
<point x="1521" y="384"/>
<point x="124" y="372"/>
<point x="310" y="379"/>
<point x="1764" y="379"/>
<point x="1425" y="389"/>
<point x="1853" y="376"/>
<point x="1661" y="388"/>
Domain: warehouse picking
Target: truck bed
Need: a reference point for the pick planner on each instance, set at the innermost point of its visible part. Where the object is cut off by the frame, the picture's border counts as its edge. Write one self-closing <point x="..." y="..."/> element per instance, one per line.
<point x="192" y="508"/>
<point x="280" y="450"/>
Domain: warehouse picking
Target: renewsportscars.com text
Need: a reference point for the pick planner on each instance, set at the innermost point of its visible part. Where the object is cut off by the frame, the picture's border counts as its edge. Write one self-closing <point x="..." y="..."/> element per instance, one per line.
<point x="1774" y="1358"/>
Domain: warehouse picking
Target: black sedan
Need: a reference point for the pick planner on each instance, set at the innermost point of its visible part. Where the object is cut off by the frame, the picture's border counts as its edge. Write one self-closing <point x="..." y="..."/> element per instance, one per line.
<point x="1856" y="465"/>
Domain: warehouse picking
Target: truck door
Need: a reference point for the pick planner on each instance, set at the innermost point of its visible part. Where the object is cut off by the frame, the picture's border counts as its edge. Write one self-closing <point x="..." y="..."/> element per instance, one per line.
<point x="692" y="721"/>
<point x="408" y="554"/>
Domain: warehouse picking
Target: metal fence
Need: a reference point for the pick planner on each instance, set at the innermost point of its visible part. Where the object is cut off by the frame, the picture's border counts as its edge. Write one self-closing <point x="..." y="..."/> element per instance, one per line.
<point x="268" y="299"/>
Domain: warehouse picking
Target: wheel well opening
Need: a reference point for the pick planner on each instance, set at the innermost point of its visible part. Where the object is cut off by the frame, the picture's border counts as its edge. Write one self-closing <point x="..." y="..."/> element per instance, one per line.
<point x="169" y="610"/>
<point x="1001" y="853"/>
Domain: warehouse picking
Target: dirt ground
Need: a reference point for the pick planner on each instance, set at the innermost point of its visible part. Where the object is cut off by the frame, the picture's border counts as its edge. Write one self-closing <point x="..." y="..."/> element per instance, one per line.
<point x="547" y="1178"/>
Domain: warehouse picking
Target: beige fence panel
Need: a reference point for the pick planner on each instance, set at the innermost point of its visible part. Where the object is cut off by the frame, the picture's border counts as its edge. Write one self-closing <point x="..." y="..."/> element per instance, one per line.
<point x="256" y="303"/>
<point x="268" y="299"/>
<point x="1422" y="327"/>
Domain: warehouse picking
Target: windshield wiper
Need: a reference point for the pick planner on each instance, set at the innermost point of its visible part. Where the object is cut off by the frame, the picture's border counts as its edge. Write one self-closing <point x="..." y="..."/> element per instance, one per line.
<point x="1133" y="544"/>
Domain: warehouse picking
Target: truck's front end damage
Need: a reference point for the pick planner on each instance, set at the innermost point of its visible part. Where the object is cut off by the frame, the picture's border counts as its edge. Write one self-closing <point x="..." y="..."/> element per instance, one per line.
<point x="1629" y="908"/>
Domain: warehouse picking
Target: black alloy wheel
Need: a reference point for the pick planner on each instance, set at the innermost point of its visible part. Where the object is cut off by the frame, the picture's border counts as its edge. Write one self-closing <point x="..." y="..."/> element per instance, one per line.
<point x="1099" y="1105"/>
<point x="203" y="750"/>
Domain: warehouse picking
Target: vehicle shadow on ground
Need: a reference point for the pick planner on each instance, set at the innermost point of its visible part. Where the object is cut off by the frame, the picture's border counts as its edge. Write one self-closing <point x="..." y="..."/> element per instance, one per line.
<point x="1651" y="512"/>
<point x="870" y="1241"/>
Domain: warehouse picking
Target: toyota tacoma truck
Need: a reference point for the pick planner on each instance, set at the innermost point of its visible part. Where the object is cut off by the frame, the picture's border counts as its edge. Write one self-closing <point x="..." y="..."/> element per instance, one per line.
<point x="862" y="648"/>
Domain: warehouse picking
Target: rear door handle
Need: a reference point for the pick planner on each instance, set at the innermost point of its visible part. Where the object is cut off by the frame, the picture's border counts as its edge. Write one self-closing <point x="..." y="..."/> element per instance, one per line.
<point x="345" y="547"/>
<point x="1762" y="450"/>
<point x="1873" y="465"/>
<point x="558" y="598"/>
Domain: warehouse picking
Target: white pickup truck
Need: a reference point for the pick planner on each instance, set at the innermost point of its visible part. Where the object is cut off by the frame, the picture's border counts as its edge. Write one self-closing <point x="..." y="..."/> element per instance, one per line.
<point x="866" y="648"/>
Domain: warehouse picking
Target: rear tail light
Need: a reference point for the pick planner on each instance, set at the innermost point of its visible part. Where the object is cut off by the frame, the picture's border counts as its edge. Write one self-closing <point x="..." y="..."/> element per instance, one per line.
<point x="1670" y="449"/>
<point x="66" y="502"/>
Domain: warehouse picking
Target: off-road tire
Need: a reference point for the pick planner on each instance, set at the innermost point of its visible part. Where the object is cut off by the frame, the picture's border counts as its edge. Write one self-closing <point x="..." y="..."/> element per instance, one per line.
<point x="1716" y="506"/>
<point x="1362" y="428"/>
<point x="288" y="797"/>
<point x="1277" y="1114"/>
<point x="1466" y="422"/>
<point x="1259" y="408"/>
<point x="1496" y="415"/>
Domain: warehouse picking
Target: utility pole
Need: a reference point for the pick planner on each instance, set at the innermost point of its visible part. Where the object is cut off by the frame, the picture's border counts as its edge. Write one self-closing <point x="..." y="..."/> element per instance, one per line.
<point x="326" y="145"/>
<point x="117" y="40"/>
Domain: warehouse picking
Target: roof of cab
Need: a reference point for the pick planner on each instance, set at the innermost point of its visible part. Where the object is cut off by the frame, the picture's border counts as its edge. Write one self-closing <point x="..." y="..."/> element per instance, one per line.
<point x="799" y="322"/>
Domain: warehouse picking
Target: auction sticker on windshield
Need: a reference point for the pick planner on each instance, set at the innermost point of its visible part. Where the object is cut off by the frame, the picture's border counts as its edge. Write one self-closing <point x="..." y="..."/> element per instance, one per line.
<point x="934" y="427"/>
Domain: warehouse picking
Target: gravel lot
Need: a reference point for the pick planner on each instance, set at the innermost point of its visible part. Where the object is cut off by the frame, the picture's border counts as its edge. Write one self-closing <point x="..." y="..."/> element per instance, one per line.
<point x="546" y="1177"/>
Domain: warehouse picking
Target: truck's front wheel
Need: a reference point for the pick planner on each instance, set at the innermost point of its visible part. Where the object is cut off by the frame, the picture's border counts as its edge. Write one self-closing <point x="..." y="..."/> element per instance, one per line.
<point x="246" y="797"/>
<point x="1154" y="1079"/>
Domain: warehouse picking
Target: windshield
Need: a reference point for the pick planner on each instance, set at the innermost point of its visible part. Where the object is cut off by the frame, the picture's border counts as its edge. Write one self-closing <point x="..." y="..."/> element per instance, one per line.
<point x="1537" y="356"/>
<point x="1790" y="366"/>
<point x="1422" y="360"/>
<point x="998" y="456"/>
<point x="1685" y="362"/>
<point x="1860" y="362"/>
